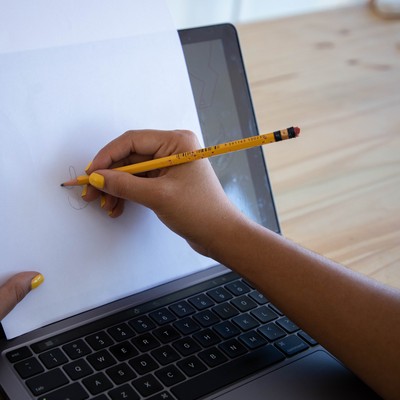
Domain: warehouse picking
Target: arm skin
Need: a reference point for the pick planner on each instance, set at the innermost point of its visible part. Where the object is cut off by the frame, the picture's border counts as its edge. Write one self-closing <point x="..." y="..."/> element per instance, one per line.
<point x="356" y="318"/>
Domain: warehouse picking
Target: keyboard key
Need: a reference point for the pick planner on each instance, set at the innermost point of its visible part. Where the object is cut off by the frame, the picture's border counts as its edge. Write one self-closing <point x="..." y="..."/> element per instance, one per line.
<point x="207" y="338"/>
<point x="147" y="385"/>
<point x="163" y="316"/>
<point x="264" y="314"/>
<point x="248" y="283"/>
<point x="245" y="322"/>
<point x="19" y="354"/>
<point x="182" y="309"/>
<point x="272" y="332"/>
<point x="225" y="310"/>
<point x="233" y="348"/>
<point x="170" y="375"/>
<point x="99" y="340"/>
<point x="291" y="345"/>
<point x="192" y="366"/>
<point x="121" y="332"/>
<point x="162" y="396"/>
<point x="100" y="360"/>
<point x="252" y="340"/>
<point x="121" y="373"/>
<point x="167" y="334"/>
<point x="77" y="349"/>
<point x="244" y="303"/>
<point x="276" y="309"/>
<point x="219" y="295"/>
<point x="225" y="374"/>
<point x="124" y="392"/>
<point x="97" y="383"/>
<point x="123" y="351"/>
<point x="287" y="325"/>
<point x="28" y="368"/>
<point x="305" y="336"/>
<point x="237" y="288"/>
<point x="201" y="301"/>
<point x="143" y="364"/>
<point x="145" y="342"/>
<point x="186" y="346"/>
<point x="48" y="381"/>
<point x="53" y="358"/>
<point x="206" y="318"/>
<point x="212" y="357"/>
<point x="165" y="355"/>
<point x="74" y="391"/>
<point x="258" y="297"/>
<point x="226" y="330"/>
<point x="78" y="369"/>
<point x="187" y="326"/>
<point x="141" y="324"/>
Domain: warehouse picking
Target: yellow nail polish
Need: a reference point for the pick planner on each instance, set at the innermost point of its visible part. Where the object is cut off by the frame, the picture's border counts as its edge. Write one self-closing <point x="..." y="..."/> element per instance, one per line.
<point x="37" y="281"/>
<point x="102" y="201"/>
<point x="88" y="166"/>
<point x="84" y="191"/>
<point x="110" y="213"/>
<point x="96" y="180"/>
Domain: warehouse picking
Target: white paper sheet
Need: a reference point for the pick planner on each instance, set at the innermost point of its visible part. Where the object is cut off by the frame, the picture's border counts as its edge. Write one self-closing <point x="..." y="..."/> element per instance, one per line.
<point x="67" y="89"/>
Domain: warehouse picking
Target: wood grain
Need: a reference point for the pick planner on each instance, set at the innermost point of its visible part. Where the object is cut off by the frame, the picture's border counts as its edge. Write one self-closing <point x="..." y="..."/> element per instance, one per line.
<point x="336" y="74"/>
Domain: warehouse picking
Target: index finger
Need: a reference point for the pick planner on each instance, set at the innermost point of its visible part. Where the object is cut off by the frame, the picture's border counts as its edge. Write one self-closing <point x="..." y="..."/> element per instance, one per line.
<point x="132" y="146"/>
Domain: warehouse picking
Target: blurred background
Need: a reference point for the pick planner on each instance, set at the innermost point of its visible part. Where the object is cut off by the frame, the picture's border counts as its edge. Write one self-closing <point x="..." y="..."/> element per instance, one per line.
<point x="331" y="67"/>
<point x="191" y="13"/>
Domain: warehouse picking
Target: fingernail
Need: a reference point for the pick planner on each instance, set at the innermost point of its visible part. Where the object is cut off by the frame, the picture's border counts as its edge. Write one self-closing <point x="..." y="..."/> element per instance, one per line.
<point x="37" y="281"/>
<point x="102" y="201"/>
<point x="88" y="166"/>
<point x="96" y="180"/>
<point x="84" y="191"/>
<point x="110" y="213"/>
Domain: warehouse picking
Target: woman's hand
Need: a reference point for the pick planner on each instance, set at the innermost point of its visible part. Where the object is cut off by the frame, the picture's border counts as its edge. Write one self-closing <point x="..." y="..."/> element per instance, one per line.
<point x="188" y="198"/>
<point x="16" y="288"/>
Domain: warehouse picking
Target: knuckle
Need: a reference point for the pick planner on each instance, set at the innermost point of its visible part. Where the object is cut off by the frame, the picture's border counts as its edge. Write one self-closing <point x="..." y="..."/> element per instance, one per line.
<point x="188" y="139"/>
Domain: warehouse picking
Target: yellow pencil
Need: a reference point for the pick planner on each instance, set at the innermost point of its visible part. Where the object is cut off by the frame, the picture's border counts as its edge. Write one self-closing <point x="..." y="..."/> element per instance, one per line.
<point x="190" y="156"/>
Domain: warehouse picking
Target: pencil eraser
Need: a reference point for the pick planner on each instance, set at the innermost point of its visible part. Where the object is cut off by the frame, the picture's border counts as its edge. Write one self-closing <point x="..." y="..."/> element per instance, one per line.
<point x="296" y="131"/>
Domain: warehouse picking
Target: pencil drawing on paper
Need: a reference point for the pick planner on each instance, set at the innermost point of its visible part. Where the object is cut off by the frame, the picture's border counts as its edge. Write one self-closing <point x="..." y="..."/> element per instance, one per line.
<point x="74" y="193"/>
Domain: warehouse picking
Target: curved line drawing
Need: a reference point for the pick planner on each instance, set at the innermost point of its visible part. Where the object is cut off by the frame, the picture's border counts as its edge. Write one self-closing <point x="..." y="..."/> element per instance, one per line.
<point x="74" y="193"/>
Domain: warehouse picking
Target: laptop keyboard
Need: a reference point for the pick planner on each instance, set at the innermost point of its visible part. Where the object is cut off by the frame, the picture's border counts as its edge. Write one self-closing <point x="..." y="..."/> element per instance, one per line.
<point x="182" y="346"/>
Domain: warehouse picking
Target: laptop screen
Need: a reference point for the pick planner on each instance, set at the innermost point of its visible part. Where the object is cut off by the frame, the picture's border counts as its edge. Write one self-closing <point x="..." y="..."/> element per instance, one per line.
<point x="225" y="112"/>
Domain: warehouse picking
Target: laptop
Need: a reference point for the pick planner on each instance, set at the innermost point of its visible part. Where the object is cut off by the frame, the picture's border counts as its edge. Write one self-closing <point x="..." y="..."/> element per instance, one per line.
<point x="208" y="335"/>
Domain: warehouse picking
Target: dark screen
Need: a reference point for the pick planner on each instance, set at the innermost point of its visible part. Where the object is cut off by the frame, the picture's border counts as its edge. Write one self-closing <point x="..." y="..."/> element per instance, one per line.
<point x="225" y="113"/>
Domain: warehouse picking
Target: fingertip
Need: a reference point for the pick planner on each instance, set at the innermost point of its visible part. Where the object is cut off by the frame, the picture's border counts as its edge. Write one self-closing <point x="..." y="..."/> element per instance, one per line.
<point x="118" y="209"/>
<point x="84" y="191"/>
<point x="97" y="180"/>
<point x="102" y="200"/>
<point x="37" y="280"/>
<point x="88" y="166"/>
<point x="90" y="194"/>
<point x="16" y="288"/>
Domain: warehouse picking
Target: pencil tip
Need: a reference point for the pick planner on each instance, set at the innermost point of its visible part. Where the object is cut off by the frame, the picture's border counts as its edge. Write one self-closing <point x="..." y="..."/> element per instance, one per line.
<point x="72" y="182"/>
<point x="296" y="131"/>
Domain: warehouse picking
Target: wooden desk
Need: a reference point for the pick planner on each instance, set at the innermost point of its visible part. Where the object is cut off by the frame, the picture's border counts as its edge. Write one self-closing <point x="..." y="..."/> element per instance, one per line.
<point x="335" y="74"/>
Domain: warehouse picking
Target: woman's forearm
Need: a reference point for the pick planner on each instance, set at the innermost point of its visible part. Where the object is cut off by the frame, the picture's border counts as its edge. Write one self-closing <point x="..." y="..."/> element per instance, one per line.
<point x="354" y="317"/>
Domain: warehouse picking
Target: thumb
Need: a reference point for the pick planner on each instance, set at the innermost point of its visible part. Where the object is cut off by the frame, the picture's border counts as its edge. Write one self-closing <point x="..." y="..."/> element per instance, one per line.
<point x="125" y="186"/>
<point x="16" y="288"/>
